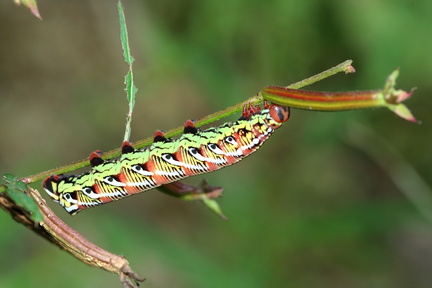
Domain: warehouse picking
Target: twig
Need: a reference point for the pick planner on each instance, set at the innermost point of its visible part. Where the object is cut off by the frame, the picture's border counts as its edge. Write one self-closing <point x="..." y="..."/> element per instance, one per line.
<point x="257" y="99"/>
<point x="59" y="233"/>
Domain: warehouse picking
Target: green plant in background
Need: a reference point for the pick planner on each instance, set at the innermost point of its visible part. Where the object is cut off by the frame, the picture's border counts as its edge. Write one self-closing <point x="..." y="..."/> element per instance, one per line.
<point x="387" y="97"/>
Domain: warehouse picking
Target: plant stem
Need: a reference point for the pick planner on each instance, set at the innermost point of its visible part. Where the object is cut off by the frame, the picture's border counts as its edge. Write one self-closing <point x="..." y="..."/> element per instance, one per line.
<point x="342" y="67"/>
<point x="57" y="232"/>
<point x="255" y="100"/>
<point x="388" y="97"/>
<point x="130" y="86"/>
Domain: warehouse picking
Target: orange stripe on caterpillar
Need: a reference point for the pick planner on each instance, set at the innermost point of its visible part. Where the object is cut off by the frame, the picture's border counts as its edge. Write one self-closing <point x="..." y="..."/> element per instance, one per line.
<point x="166" y="160"/>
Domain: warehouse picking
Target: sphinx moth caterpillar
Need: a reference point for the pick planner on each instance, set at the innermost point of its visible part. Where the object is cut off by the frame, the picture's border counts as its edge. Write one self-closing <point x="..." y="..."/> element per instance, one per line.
<point x="166" y="160"/>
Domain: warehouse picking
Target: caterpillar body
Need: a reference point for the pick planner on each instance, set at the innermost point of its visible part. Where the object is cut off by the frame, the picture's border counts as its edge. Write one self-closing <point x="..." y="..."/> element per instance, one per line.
<point x="166" y="160"/>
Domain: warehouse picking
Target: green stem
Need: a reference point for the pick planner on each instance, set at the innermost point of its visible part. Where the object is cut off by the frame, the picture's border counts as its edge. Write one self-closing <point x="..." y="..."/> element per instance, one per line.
<point x="342" y="67"/>
<point x="255" y="100"/>
<point x="130" y="86"/>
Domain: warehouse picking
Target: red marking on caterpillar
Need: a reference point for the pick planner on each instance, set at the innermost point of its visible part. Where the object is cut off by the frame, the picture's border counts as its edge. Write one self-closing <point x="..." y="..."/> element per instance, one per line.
<point x="189" y="127"/>
<point x="166" y="160"/>
<point x="95" y="158"/>
<point x="159" y="136"/>
<point x="127" y="147"/>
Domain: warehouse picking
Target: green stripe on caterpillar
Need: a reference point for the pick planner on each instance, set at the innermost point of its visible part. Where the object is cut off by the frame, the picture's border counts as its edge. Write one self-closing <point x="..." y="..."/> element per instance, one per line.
<point x="166" y="160"/>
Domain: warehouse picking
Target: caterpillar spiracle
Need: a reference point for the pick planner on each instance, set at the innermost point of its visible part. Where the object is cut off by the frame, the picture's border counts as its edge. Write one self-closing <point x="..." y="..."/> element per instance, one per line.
<point x="166" y="160"/>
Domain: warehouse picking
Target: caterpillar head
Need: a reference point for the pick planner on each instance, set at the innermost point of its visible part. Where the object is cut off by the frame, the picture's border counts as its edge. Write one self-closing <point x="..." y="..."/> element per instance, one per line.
<point x="75" y="193"/>
<point x="50" y="185"/>
<point x="279" y="113"/>
<point x="68" y="200"/>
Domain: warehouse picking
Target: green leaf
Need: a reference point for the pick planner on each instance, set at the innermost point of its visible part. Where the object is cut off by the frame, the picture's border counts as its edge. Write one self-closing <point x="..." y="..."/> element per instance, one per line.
<point x="130" y="89"/>
<point x="402" y="111"/>
<point x="17" y="191"/>
<point x="213" y="206"/>
<point x="32" y="5"/>
<point x="124" y="35"/>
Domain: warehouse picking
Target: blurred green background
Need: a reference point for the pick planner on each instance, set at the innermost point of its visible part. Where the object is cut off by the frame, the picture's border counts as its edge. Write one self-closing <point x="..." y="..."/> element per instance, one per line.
<point x="324" y="203"/>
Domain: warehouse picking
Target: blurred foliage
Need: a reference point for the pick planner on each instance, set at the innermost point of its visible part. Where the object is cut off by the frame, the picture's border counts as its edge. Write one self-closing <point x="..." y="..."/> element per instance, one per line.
<point x="308" y="210"/>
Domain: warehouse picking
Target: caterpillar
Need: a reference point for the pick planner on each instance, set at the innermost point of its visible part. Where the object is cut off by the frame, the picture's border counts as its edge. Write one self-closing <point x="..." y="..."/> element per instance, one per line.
<point x="166" y="160"/>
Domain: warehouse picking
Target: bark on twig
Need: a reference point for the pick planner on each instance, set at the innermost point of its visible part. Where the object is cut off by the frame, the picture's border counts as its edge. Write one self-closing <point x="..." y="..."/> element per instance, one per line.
<point x="59" y="233"/>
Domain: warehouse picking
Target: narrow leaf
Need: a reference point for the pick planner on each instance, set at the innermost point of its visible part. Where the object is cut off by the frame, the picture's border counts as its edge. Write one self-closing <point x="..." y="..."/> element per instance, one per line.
<point x="32" y="5"/>
<point x="213" y="206"/>
<point x="124" y="35"/>
<point x="402" y="111"/>
<point x="130" y="88"/>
